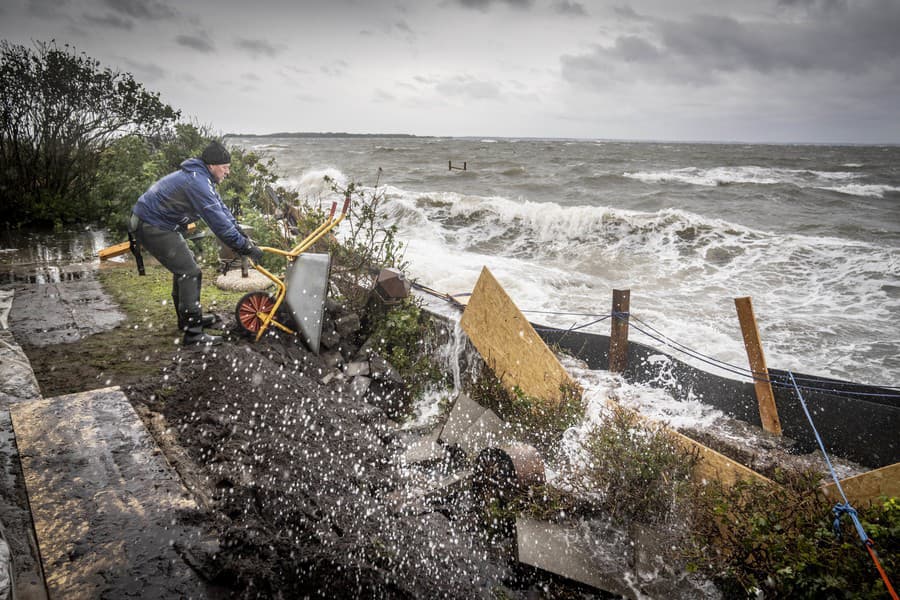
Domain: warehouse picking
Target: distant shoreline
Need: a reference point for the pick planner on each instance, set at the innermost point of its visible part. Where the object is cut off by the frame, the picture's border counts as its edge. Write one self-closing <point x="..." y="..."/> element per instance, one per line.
<point x="321" y="134"/>
<point x="340" y="134"/>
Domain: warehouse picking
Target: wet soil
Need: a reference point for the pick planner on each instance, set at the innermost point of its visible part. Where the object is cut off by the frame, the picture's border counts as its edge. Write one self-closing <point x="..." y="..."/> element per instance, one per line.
<point x="304" y="488"/>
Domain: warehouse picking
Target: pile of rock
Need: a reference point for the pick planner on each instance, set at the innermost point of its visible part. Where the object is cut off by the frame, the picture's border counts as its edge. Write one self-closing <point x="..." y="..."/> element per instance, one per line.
<point x="348" y="358"/>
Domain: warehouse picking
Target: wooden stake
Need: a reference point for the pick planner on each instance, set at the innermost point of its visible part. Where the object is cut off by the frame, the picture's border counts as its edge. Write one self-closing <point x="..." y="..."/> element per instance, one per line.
<point x="618" y="331"/>
<point x="768" y="412"/>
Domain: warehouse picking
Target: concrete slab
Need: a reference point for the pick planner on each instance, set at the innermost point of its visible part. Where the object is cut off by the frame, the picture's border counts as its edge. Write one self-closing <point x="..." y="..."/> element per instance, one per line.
<point x="15" y="516"/>
<point x="62" y="312"/>
<point x="107" y="506"/>
<point x="464" y="414"/>
<point x="489" y="431"/>
<point x="564" y="551"/>
<point x="424" y="450"/>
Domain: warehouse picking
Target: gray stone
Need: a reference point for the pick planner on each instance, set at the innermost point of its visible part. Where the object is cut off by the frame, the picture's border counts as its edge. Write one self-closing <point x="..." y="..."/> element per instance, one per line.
<point x="348" y="325"/>
<point x="359" y="385"/>
<point x="332" y="306"/>
<point x="331" y="375"/>
<point x="333" y="359"/>
<point x="489" y="431"/>
<point x="380" y="368"/>
<point x="426" y="449"/>
<point x="464" y="414"/>
<point x="357" y="367"/>
<point x="330" y="339"/>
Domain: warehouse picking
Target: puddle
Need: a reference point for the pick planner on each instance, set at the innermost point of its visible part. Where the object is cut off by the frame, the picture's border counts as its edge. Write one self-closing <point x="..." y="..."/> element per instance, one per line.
<point x="40" y="257"/>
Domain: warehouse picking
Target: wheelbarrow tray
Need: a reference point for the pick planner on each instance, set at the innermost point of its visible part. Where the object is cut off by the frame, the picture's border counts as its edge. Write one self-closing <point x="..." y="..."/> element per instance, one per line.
<point x="306" y="283"/>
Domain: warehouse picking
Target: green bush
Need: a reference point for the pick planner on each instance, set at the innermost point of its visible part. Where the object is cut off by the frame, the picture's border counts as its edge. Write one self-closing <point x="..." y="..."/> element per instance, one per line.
<point x="635" y="468"/>
<point x="537" y="421"/>
<point x="62" y="112"/>
<point x="780" y="540"/>
<point x="398" y="333"/>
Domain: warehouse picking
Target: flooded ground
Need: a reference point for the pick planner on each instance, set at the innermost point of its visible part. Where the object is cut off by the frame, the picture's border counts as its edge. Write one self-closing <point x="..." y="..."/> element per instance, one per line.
<point x="48" y="256"/>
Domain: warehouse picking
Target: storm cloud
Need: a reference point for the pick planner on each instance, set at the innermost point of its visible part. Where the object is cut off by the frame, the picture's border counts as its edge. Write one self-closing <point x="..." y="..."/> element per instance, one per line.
<point x="771" y="70"/>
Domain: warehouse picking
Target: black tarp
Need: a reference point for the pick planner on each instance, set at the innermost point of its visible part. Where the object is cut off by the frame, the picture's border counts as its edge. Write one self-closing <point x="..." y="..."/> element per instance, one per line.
<point x="856" y="422"/>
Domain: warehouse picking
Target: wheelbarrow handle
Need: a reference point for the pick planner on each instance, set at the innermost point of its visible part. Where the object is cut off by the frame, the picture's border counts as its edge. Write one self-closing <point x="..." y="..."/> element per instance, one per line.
<point x="346" y="203"/>
<point x="333" y="208"/>
<point x="275" y="250"/>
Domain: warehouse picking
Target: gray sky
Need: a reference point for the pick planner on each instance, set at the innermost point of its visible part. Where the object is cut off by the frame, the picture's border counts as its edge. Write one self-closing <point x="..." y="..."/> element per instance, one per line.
<point x="747" y="70"/>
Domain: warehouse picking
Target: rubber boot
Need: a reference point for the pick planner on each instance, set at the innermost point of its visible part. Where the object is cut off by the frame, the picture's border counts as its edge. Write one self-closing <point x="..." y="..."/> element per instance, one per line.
<point x="187" y="289"/>
<point x="207" y="320"/>
<point x="195" y="336"/>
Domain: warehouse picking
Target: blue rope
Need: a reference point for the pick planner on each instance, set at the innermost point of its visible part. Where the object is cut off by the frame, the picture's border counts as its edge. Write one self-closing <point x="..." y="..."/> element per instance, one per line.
<point x="841" y="508"/>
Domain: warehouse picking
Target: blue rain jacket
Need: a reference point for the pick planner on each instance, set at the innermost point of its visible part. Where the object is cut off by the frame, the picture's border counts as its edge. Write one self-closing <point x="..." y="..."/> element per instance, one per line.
<point x="183" y="197"/>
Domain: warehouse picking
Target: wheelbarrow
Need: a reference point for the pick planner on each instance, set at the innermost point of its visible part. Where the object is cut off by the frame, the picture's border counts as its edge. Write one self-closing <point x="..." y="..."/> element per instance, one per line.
<point x="302" y="290"/>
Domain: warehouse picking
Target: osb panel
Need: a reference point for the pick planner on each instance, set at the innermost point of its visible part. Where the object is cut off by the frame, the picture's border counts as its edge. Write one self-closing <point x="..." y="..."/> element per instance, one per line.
<point x="862" y="490"/>
<point x="509" y="344"/>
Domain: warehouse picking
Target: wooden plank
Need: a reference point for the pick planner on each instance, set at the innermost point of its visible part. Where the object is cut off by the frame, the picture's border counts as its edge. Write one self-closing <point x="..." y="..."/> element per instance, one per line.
<point x="768" y="412"/>
<point x="107" y="506"/>
<point x="713" y="465"/>
<point x="113" y="251"/>
<point x="120" y="249"/>
<point x="509" y="344"/>
<point x="716" y="466"/>
<point x="618" y="334"/>
<point x="866" y="488"/>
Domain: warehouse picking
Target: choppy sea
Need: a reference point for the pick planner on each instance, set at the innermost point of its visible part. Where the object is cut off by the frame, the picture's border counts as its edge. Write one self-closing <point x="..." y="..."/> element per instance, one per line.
<point x="811" y="233"/>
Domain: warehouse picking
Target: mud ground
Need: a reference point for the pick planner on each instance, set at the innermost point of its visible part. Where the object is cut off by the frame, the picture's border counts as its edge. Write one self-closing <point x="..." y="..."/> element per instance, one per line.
<point x="300" y="482"/>
<point x="303" y="485"/>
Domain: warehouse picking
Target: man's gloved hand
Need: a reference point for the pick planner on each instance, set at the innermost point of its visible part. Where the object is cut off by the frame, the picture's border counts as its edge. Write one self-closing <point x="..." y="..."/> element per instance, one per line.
<point x="254" y="252"/>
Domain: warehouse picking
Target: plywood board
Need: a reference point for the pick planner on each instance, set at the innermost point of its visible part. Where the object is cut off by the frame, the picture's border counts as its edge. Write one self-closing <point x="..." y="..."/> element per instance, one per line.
<point x="866" y="488"/>
<point x="509" y="344"/>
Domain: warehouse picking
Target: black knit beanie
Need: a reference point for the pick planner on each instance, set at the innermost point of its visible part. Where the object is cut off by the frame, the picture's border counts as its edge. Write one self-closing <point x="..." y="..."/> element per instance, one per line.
<point x="215" y="154"/>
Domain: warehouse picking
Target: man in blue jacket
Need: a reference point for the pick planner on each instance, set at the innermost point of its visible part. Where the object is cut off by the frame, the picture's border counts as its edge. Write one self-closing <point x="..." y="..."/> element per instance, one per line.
<point x="162" y="215"/>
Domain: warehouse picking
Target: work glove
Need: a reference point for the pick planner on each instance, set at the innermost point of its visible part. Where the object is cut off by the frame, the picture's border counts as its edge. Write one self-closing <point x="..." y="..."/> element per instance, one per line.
<point x="254" y="252"/>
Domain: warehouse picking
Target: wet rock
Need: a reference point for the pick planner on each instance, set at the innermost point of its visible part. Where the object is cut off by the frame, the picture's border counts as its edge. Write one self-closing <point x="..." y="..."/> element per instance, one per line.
<point x="380" y="368"/>
<point x="202" y="556"/>
<point x="329" y="338"/>
<point x="359" y="385"/>
<point x="463" y="415"/>
<point x="424" y="450"/>
<point x="489" y="430"/>
<point x="347" y="325"/>
<point x="348" y="350"/>
<point x="358" y="367"/>
<point x="332" y="375"/>
<point x="332" y="360"/>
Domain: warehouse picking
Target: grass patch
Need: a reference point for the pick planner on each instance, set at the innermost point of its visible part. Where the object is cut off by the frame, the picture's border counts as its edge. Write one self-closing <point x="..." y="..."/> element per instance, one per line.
<point x="139" y="347"/>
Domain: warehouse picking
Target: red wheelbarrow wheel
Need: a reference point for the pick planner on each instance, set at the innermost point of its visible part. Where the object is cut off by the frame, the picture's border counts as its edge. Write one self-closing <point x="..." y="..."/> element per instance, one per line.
<point x="247" y="312"/>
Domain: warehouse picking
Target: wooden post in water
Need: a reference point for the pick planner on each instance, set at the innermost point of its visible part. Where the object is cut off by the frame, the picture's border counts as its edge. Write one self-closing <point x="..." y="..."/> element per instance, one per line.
<point x="618" y="331"/>
<point x="768" y="412"/>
